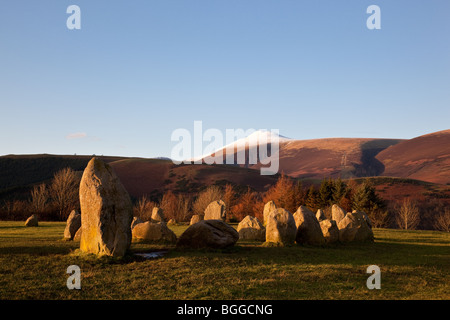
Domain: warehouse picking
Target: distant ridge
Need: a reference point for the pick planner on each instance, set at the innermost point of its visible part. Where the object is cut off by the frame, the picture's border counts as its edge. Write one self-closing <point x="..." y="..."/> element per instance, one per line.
<point x="425" y="158"/>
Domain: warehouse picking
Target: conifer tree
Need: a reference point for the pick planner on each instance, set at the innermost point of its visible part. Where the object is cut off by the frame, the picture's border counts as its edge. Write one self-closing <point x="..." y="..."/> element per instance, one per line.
<point x="312" y="199"/>
<point x="366" y="199"/>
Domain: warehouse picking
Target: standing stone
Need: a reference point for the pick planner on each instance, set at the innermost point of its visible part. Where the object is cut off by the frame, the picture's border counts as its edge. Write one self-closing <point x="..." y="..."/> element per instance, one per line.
<point x="32" y="221"/>
<point x="268" y="208"/>
<point x="72" y="225"/>
<point x="196" y="218"/>
<point x="337" y="213"/>
<point x="366" y="218"/>
<point x="280" y="228"/>
<point x="150" y="231"/>
<point x="330" y="230"/>
<point x="250" y="228"/>
<point x="77" y="236"/>
<point x="308" y="228"/>
<point x="136" y="220"/>
<point x="216" y="210"/>
<point x="157" y="215"/>
<point x="354" y="228"/>
<point x="320" y="215"/>
<point x="208" y="234"/>
<point x="106" y="211"/>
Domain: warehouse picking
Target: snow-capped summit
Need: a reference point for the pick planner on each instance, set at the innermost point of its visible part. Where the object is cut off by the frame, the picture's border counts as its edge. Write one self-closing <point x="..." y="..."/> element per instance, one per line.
<point x="252" y="140"/>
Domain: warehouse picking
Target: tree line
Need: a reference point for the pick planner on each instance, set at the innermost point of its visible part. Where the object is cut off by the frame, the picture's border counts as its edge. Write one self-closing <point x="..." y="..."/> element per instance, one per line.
<point x="55" y="200"/>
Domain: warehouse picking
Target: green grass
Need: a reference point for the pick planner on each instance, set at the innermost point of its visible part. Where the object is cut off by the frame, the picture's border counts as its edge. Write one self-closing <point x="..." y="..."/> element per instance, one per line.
<point x="414" y="265"/>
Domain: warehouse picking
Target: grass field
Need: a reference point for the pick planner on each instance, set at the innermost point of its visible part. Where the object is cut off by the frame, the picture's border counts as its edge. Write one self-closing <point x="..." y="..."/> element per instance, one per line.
<point x="414" y="265"/>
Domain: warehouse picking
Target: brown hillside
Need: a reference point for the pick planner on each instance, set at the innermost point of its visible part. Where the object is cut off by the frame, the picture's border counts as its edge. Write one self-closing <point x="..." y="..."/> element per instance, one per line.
<point x="333" y="157"/>
<point x="424" y="158"/>
<point x="153" y="177"/>
<point x="345" y="157"/>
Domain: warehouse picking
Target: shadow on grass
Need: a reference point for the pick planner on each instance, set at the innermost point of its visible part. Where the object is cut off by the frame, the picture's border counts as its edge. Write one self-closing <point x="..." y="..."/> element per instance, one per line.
<point x="36" y="250"/>
<point x="382" y="252"/>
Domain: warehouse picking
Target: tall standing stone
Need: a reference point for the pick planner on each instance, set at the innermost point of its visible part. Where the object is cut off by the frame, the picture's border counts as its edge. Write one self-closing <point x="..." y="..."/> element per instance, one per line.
<point x="106" y="211"/>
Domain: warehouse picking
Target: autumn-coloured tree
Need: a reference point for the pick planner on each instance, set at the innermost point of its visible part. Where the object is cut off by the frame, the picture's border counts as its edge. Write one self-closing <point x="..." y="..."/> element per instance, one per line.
<point x="229" y="198"/>
<point x="182" y="212"/>
<point x="258" y="207"/>
<point x="282" y="194"/>
<point x="299" y="194"/>
<point x="210" y="194"/>
<point x="143" y="208"/>
<point x="168" y="204"/>
<point x="245" y="205"/>
<point x="175" y="206"/>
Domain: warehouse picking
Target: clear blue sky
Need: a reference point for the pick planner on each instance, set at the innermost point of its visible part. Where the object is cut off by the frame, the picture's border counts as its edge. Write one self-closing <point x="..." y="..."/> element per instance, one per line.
<point x="137" y="70"/>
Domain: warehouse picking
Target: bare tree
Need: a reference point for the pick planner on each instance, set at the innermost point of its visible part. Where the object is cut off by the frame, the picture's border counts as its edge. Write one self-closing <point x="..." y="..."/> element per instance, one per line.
<point x="39" y="198"/>
<point x="183" y="206"/>
<point x="210" y="194"/>
<point x="8" y="208"/>
<point x="175" y="206"/>
<point x="64" y="191"/>
<point x="143" y="209"/>
<point x="229" y="198"/>
<point x="442" y="221"/>
<point x="16" y="209"/>
<point x="408" y="216"/>
<point x="379" y="218"/>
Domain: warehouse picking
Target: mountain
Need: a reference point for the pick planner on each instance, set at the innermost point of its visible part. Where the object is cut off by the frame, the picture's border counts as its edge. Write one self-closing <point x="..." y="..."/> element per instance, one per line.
<point x="316" y="158"/>
<point x="424" y="158"/>
<point x="333" y="157"/>
<point x="250" y="142"/>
